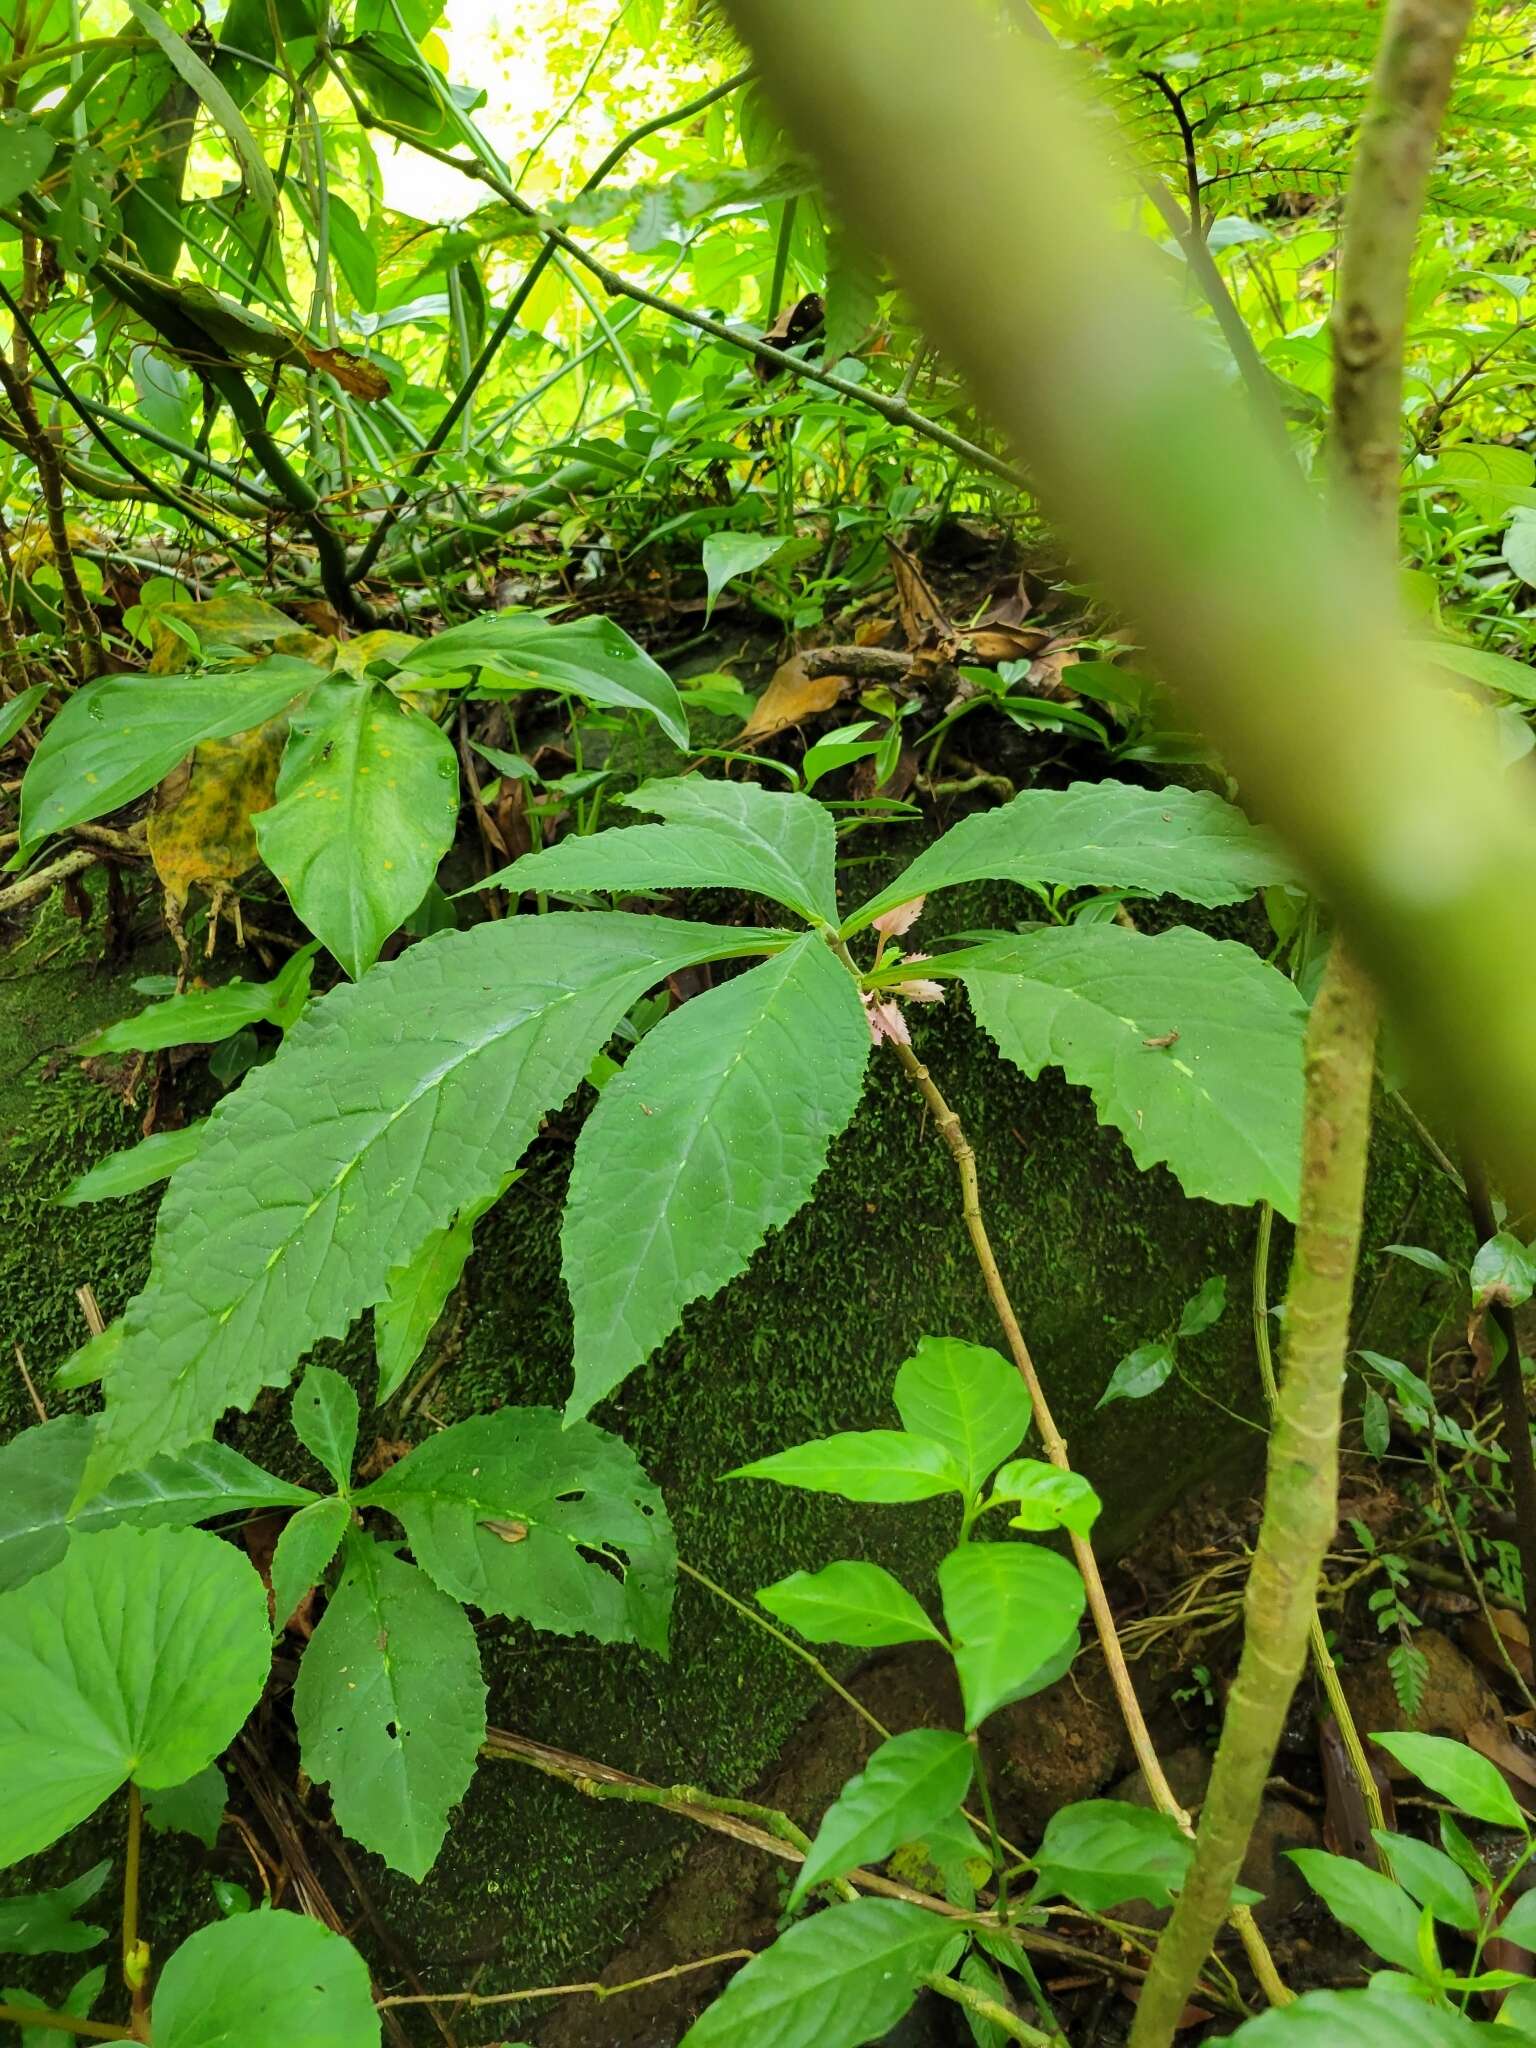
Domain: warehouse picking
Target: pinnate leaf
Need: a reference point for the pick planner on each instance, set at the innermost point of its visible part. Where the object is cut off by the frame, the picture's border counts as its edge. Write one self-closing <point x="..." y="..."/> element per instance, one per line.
<point x="849" y="1602"/>
<point x="138" y="1655"/>
<point x="558" y="1526"/>
<point x="712" y="1134"/>
<point x="390" y="1106"/>
<point x="967" y="1398"/>
<point x="1012" y="1608"/>
<point x="390" y="1706"/>
<point x="261" y="1978"/>
<point x="1191" y="1046"/>
<point x="910" y="1784"/>
<point x="840" y="1978"/>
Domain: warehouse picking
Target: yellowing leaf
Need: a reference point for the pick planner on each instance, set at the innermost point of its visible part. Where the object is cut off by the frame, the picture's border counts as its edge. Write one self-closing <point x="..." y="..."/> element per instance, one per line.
<point x="200" y="829"/>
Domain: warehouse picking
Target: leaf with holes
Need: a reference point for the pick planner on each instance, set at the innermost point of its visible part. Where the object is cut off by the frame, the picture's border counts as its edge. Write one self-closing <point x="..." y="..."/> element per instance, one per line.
<point x="390" y="1706"/>
<point x="557" y="1526"/>
<point x="1012" y="1609"/>
<point x="717" y="835"/>
<point x="712" y="1134"/>
<point x="966" y="1398"/>
<point x="367" y="801"/>
<point x="912" y="1783"/>
<point x="137" y="1656"/>
<point x="1102" y="835"/>
<point x="1190" y="1045"/>
<point x="391" y="1104"/>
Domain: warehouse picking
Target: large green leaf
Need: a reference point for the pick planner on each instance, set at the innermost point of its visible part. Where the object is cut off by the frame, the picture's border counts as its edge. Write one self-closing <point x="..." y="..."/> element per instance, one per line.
<point x="391" y="1104"/>
<point x="712" y="1135"/>
<point x="1367" y="1903"/>
<point x="1012" y="1608"/>
<point x="390" y="1706"/>
<point x="261" y="1978"/>
<point x="1100" y="1853"/>
<point x="718" y="835"/>
<point x="222" y="109"/>
<point x="1366" y="2019"/>
<point x="1191" y="1046"/>
<point x="120" y="735"/>
<point x="367" y="801"/>
<point x="1459" y="1774"/>
<point x="1103" y="835"/>
<point x="137" y="1656"/>
<point x="44" y="1923"/>
<point x="966" y="1398"/>
<point x="519" y="1516"/>
<point x="849" y="1602"/>
<point x="40" y="1472"/>
<point x="863" y="1464"/>
<point x="592" y="658"/>
<point x="843" y="1977"/>
<point x="910" y="1784"/>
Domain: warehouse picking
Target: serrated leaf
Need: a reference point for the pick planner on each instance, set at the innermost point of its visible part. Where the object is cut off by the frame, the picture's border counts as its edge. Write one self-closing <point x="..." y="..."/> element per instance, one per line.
<point x="1102" y="1853"/>
<point x="261" y="1978"/>
<point x="1140" y="1373"/>
<point x="966" y="1398"/>
<point x="207" y="1016"/>
<point x="1011" y="1609"/>
<point x="1460" y="1776"/>
<point x="592" y="658"/>
<point x="138" y="1655"/>
<point x="840" y="1978"/>
<point x="367" y="801"/>
<point x="419" y="1291"/>
<point x="862" y="1464"/>
<point x="1047" y="1497"/>
<point x="195" y="1807"/>
<point x="1190" y="1045"/>
<point x="391" y="1104"/>
<point x="153" y="1159"/>
<point x="910" y="1784"/>
<point x="325" y="1420"/>
<point x="1430" y="1876"/>
<point x="120" y="735"/>
<point x="1107" y="835"/>
<point x="718" y="835"/>
<point x="729" y="555"/>
<point x="517" y="1515"/>
<point x="713" y="1134"/>
<point x="306" y="1546"/>
<point x="849" y="1602"/>
<point x="390" y="1706"/>
<point x="40" y="1472"/>
<point x="44" y="1923"/>
<point x="1365" y="1902"/>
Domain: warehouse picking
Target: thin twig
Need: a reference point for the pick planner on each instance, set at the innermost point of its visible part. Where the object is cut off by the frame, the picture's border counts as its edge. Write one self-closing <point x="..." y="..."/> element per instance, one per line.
<point x="36" y="1397"/>
<point x="41" y="880"/>
<point x="590" y="1989"/>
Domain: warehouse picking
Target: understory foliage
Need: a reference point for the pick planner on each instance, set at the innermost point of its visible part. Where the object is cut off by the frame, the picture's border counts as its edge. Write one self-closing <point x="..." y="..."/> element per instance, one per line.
<point x="445" y="611"/>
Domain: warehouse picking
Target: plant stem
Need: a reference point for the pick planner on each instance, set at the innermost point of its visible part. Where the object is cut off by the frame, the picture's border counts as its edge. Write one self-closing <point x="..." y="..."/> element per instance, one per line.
<point x="1511" y="1384"/>
<point x="1300" y="1505"/>
<point x="62" y="2023"/>
<point x="1317" y="1642"/>
<point x="949" y="1129"/>
<point x="135" y="1954"/>
<point x="996" y="2015"/>
<point x="87" y="652"/>
<point x="592" y="1989"/>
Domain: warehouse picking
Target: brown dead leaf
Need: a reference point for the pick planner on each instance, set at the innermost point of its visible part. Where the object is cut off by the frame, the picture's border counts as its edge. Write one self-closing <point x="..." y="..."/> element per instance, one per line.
<point x="1048" y="674"/>
<point x="509" y="1532"/>
<point x="1012" y="609"/>
<point x="200" y="828"/>
<point x="791" y="696"/>
<point x="364" y="380"/>
<point x="988" y="645"/>
<point x="1512" y="1636"/>
<point x="1489" y="1739"/>
<point x="795" y="324"/>
<point x="923" y="619"/>
<point x="874" y="632"/>
<point x="387" y="1451"/>
<point x="1346" y="1819"/>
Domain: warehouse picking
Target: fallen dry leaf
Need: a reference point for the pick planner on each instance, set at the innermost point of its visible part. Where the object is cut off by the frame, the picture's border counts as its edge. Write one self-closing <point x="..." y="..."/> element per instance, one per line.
<point x="363" y="379"/>
<point x="790" y="697"/>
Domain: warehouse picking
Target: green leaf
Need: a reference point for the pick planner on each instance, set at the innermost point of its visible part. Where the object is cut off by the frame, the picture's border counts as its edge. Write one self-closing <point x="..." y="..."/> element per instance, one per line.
<point x="557" y="1526"/>
<point x="419" y="1291"/>
<point x="849" y="1602"/>
<point x="206" y="1016"/>
<point x="391" y="1104"/>
<point x="862" y="1464"/>
<point x="138" y="1655"/>
<point x="854" y="275"/>
<point x="713" y="1134"/>
<point x="356" y="257"/>
<point x="1460" y="1776"/>
<point x="1495" y="671"/>
<point x="1368" y="1904"/>
<point x="910" y="1784"/>
<point x="367" y="802"/>
<point x="221" y="108"/>
<point x="1363" y="2019"/>
<point x="592" y="658"/>
<point x="1518" y="1924"/>
<point x="78" y="2001"/>
<point x="1503" y="1271"/>
<point x="304" y="1549"/>
<point x="153" y="1159"/>
<point x="195" y="1807"/>
<point x="15" y="713"/>
<point x="1191" y="1046"/>
<point x="1206" y="1306"/>
<point x="1139" y="1373"/>
<point x="729" y="555"/>
<point x="26" y="150"/>
<point x="966" y="1398"/>
<point x="1048" y="1498"/>
<point x="1011" y="1608"/>
<point x="1106" y="835"/>
<point x="1430" y="1876"/>
<point x="390" y="1706"/>
<point x="121" y="735"/>
<point x="265" y="1977"/>
<point x="718" y="835"/>
<point x="1101" y="1853"/>
<point x="1519" y="548"/>
<point x="40" y="1472"/>
<point x="325" y="1420"/>
<point x="44" y="1923"/>
<point x="839" y="1978"/>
